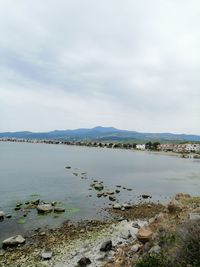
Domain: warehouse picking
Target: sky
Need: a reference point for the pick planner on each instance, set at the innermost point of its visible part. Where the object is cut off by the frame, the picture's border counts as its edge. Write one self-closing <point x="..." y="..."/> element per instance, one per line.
<point x="67" y="64"/>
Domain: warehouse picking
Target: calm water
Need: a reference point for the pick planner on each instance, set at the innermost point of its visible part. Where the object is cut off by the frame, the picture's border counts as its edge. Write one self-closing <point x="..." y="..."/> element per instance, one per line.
<point x="29" y="171"/>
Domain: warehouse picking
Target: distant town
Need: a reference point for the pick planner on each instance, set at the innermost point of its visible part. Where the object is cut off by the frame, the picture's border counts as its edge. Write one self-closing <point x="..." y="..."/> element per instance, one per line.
<point x="185" y="148"/>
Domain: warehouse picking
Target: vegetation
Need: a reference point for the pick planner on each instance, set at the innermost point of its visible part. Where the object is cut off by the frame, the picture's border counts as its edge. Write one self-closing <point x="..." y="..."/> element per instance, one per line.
<point x="179" y="249"/>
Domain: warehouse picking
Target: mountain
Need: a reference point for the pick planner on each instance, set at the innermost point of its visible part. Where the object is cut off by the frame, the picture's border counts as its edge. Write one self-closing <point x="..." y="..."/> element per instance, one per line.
<point x="101" y="134"/>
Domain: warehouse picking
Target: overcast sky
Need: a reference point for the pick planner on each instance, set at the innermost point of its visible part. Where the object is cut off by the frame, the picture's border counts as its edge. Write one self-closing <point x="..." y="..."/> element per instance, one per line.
<point x="131" y="64"/>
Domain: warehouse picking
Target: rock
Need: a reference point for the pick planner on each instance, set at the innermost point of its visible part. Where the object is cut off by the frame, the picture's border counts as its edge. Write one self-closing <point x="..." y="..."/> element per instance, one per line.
<point x="46" y="254"/>
<point x="135" y="225"/>
<point x="135" y="248"/>
<point x="8" y="216"/>
<point x="117" y="191"/>
<point x="2" y="215"/>
<point x="35" y="201"/>
<point x="117" y="206"/>
<point x="127" y="205"/>
<point x="144" y="235"/>
<point x="181" y="196"/>
<point x="146" y="196"/>
<point x="106" y="246"/>
<point x="68" y="167"/>
<point x="98" y="186"/>
<point x="160" y="217"/>
<point x="155" y="249"/>
<point x="83" y="262"/>
<point x="44" y="208"/>
<point x="13" y="241"/>
<point x="194" y="216"/>
<point x="112" y="198"/>
<point x="59" y="209"/>
<point x="174" y="206"/>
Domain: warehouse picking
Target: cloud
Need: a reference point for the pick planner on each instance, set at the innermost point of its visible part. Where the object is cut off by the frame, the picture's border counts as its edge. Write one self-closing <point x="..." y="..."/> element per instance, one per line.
<point x="68" y="64"/>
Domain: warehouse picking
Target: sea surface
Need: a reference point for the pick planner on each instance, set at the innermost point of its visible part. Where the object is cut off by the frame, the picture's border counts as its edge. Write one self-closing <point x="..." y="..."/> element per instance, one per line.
<point x="31" y="171"/>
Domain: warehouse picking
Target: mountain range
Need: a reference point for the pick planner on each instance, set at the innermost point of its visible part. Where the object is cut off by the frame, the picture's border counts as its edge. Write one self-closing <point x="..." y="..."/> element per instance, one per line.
<point x="101" y="134"/>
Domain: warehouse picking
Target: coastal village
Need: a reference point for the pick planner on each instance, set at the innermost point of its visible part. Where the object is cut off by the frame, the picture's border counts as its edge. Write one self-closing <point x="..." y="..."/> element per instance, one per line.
<point x="155" y="146"/>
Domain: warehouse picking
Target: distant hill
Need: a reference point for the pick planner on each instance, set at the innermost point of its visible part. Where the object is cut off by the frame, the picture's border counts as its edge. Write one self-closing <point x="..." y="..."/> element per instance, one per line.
<point x="101" y="134"/>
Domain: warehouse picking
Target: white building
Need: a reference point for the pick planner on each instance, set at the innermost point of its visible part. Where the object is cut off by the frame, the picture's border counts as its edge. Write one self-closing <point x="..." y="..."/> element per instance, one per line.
<point x="140" y="146"/>
<point x="193" y="147"/>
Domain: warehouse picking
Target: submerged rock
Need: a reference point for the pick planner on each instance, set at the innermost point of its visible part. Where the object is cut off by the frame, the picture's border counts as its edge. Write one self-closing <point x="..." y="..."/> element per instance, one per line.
<point x="112" y="198"/>
<point x="59" y="209"/>
<point x="13" y="241"/>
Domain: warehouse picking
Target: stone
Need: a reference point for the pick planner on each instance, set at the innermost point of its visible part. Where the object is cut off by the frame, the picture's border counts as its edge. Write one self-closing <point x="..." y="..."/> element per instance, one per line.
<point x="13" y="241"/>
<point x="117" y="191"/>
<point x="117" y="206"/>
<point x="135" y="248"/>
<point x="35" y="201"/>
<point x="98" y="186"/>
<point x="8" y="216"/>
<point x="145" y="196"/>
<point x="127" y="206"/>
<point x="144" y="235"/>
<point x="135" y="225"/>
<point x="112" y="198"/>
<point x="2" y="215"/>
<point x="155" y="249"/>
<point x="174" y="206"/>
<point x="194" y="216"/>
<point x="160" y="217"/>
<point x="84" y="261"/>
<point x="106" y="246"/>
<point x="46" y="254"/>
<point x="59" y="209"/>
<point x="44" y="208"/>
<point x="68" y="167"/>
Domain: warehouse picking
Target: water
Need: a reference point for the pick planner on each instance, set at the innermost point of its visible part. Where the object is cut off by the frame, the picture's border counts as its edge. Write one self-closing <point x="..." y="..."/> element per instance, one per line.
<point x="29" y="171"/>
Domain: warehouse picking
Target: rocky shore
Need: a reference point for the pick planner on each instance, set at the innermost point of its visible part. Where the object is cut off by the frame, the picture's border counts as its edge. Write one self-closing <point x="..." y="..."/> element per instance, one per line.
<point x="123" y="240"/>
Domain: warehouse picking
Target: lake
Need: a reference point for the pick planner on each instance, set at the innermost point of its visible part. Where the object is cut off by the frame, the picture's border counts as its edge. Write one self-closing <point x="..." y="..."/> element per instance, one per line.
<point x="30" y="171"/>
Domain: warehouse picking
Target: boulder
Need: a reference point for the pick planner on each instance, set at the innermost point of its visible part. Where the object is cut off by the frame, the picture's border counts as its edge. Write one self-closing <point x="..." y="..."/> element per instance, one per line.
<point x="46" y="254"/>
<point x="117" y="206"/>
<point x="127" y="205"/>
<point x="144" y="235"/>
<point x="35" y="201"/>
<point x="59" y="209"/>
<point x="44" y="208"/>
<point x="2" y="215"/>
<point x="112" y="198"/>
<point x="106" y="246"/>
<point x="13" y="241"/>
<point x="83" y="262"/>
<point x="145" y="196"/>
<point x="98" y="186"/>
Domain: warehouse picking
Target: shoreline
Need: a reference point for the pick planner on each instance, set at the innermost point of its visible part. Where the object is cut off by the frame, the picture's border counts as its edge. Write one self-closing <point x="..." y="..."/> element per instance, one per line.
<point x="72" y="242"/>
<point x="93" y="144"/>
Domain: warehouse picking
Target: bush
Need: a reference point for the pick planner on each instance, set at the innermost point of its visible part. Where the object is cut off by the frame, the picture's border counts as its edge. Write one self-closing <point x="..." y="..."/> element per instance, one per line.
<point x="189" y="248"/>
